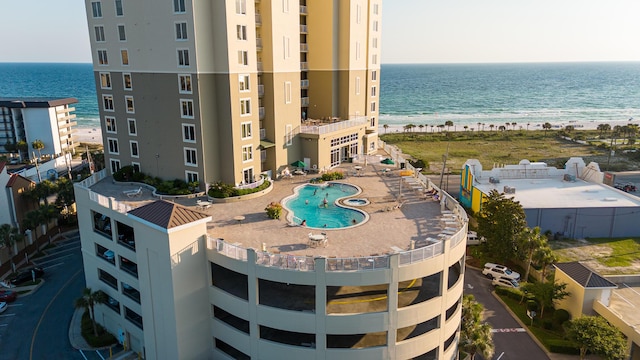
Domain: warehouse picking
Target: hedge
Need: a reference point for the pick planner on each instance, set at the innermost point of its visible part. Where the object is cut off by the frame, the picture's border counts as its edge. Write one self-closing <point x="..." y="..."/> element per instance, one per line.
<point x="563" y="347"/>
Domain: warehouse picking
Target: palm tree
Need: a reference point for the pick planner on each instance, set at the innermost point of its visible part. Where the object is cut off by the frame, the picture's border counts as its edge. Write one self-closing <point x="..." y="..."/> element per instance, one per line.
<point x="546" y="126"/>
<point x="22" y="147"/>
<point x="544" y="257"/>
<point x="88" y="300"/>
<point x="466" y="128"/>
<point x="431" y="127"/>
<point x="385" y="126"/>
<point x="421" y="127"/>
<point x="603" y="127"/>
<point x="38" y="145"/>
<point x="528" y="126"/>
<point x="479" y="123"/>
<point x="9" y="235"/>
<point x="475" y="335"/>
<point x="502" y="128"/>
<point x="530" y="241"/>
<point x="507" y="125"/>
<point x="513" y="124"/>
<point x="448" y="124"/>
<point x="491" y="126"/>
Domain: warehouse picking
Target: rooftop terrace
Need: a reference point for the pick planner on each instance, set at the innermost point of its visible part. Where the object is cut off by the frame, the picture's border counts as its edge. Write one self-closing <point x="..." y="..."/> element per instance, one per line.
<point x="389" y="229"/>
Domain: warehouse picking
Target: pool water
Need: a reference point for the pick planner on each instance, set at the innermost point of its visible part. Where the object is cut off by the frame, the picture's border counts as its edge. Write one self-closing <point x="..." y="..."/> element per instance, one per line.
<point x="308" y="204"/>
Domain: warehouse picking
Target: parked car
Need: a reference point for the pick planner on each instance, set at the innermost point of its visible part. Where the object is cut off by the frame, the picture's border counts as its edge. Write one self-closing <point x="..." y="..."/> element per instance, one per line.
<point x="506" y="282"/>
<point x="25" y="276"/>
<point x="8" y="296"/>
<point x="493" y="271"/>
<point x="627" y="187"/>
<point x="3" y="307"/>
<point x="14" y="161"/>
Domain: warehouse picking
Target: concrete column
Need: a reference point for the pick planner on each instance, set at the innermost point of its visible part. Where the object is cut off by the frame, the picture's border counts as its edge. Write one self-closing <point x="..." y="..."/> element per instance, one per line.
<point x="392" y="305"/>
<point x="252" y="299"/>
<point x="321" y="308"/>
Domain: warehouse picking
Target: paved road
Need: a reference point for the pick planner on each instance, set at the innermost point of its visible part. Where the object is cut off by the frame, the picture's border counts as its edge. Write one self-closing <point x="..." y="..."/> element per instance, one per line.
<point x="36" y="326"/>
<point x="512" y="342"/>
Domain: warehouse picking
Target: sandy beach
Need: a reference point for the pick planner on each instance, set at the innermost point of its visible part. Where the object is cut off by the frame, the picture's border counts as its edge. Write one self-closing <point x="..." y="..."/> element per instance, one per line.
<point x="94" y="135"/>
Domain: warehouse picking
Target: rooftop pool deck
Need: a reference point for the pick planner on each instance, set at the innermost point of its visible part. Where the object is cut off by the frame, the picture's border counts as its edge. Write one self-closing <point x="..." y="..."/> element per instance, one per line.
<point x="387" y="230"/>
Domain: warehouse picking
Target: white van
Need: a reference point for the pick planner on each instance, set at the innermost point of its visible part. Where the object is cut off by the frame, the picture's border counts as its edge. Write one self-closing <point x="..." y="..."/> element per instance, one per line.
<point x="505" y="282"/>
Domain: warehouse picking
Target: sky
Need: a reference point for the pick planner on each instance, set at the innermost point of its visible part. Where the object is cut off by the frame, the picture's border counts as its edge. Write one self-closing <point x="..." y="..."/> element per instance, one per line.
<point x="413" y="31"/>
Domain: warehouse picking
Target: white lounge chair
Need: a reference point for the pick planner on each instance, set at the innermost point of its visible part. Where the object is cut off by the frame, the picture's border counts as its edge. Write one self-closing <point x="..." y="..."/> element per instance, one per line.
<point x="133" y="193"/>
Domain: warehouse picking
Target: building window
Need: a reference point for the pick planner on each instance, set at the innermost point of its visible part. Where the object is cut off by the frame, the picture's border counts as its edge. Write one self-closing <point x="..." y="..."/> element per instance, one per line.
<point x="375" y="9"/>
<point x="113" y="146"/>
<point x="374" y="75"/>
<point x="107" y="102"/>
<point x="190" y="157"/>
<point x="102" y="57"/>
<point x="245" y="106"/>
<point x="358" y="14"/>
<point x="285" y="6"/>
<point x="99" y="30"/>
<point x="241" y="7"/>
<point x="191" y="176"/>
<point x="110" y="124"/>
<point x="373" y="107"/>
<point x="133" y="129"/>
<point x="287" y="92"/>
<point x="242" y="32"/>
<point x="373" y="91"/>
<point x="374" y="59"/>
<point x="375" y="25"/>
<point x="124" y="54"/>
<point x="122" y="35"/>
<point x="119" y="11"/>
<point x="129" y="102"/>
<point x="136" y="166"/>
<point x="372" y="145"/>
<point x="184" y="84"/>
<point x="374" y="43"/>
<point x="134" y="148"/>
<point x="126" y="81"/>
<point x="187" y="108"/>
<point x="243" y="57"/>
<point x="288" y="130"/>
<point x="105" y="80"/>
<point x="189" y="133"/>
<point x="357" y="50"/>
<point x="247" y="153"/>
<point x="115" y="165"/>
<point x="183" y="57"/>
<point x="247" y="175"/>
<point x="246" y="130"/>
<point x="285" y="47"/>
<point x="96" y="9"/>
<point x="243" y="82"/>
<point x="181" y="31"/>
<point x="373" y="121"/>
<point x="179" y="6"/>
<point x="357" y="85"/>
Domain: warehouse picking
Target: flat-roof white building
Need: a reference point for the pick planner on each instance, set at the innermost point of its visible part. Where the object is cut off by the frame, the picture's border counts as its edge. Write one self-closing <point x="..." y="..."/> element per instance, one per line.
<point x="572" y="201"/>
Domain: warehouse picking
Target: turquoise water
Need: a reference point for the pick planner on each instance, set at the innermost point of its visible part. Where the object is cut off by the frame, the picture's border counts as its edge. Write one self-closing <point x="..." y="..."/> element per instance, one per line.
<point x="308" y="204"/>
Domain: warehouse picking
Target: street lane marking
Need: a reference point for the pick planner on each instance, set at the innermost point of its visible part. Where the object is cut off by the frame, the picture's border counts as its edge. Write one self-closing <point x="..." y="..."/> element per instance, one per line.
<point x="507" y="330"/>
<point x="5" y="315"/>
<point x="56" y="259"/>
<point x="3" y="325"/>
<point x="81" y="353"/>
<point x="54" y="265"/>
<point x="500" y="356"/>
<point x="101" y="357"/>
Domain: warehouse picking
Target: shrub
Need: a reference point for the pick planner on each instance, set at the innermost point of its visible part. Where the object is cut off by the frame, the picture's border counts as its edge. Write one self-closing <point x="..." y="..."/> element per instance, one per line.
<point x="560" y="316"/>
<point x="532" y="305"/>
<point x="562" y="347"/>
<point x="336" y="175"/>
<point x="509" y="292"/>
<point x="274" y="210"/>
<point x="547" y="324"/>
<point x="104" y="338"/>
<point x="220" y="190"/>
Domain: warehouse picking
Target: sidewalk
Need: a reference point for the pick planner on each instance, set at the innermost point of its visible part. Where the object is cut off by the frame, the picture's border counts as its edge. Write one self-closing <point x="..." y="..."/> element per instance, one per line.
<point x="78" y="342"/>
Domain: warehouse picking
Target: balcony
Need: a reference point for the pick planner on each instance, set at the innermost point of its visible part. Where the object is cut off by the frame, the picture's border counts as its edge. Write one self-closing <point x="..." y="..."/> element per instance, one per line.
<point x="263" y="155"/>
<point x="303" y="29"/>
<point x="329" y="125"/>
<point x="260" y="90"/>
<point x="258" y="44"/>
<point x="263" y="134"/>
<point x="304" y="65"/>
<point x="304" y="84"/>
<point x="259" y="66"/>
<point x="304" y="102"/>
<point x="304" y="47"/>
<point x="258" y="19"/>
<point x="303" y="10"/>
<point x="63" y="110"/>
<point x="261" y="113"/>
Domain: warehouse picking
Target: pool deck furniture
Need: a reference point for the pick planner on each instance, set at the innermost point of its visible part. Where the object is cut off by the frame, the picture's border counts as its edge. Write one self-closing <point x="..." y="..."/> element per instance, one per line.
<point x="316" y="240"/>
<point x="133" y="193"/>
<point x="202" y="205"/>
<point x="239" y="218"/>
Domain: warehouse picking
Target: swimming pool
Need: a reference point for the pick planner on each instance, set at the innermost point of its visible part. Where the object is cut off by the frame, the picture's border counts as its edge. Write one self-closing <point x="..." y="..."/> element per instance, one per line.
<point x="308" y="203"/>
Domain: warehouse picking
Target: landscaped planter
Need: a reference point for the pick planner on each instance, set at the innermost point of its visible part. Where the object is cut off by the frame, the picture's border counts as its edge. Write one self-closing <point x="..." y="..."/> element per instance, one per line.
<point x="241" y="198"/>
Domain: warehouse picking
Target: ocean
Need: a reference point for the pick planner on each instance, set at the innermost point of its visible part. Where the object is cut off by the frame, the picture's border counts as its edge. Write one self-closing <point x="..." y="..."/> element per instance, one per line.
<point x="427" y="94"/>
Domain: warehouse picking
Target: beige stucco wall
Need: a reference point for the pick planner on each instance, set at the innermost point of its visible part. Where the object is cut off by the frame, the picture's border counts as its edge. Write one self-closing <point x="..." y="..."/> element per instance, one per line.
<point x="574" y="303"/>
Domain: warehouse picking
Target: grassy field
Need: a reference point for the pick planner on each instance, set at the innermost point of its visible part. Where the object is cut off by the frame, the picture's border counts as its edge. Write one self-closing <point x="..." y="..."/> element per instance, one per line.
<point x="509" y="147"/>
<point x="607" y="256"/>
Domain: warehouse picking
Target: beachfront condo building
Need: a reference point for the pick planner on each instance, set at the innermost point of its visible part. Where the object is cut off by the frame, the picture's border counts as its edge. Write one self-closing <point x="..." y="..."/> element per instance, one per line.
<point x="227" y="90"/>
<point x="50" y="120"/>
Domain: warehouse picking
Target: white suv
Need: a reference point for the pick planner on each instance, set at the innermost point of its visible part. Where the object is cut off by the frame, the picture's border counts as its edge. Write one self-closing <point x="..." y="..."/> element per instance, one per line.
<point x="494" y="271"/>
<point x="506" y="282"/>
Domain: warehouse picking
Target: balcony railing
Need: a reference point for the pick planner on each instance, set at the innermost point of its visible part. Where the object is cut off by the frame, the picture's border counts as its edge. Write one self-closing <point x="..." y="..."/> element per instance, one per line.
<point x="263" y="134"/>
<point x="304" y="65"/>
<point x="304" y="83"/>
<point x="304" y="47"/>
<point x="259" y="66"/>
<point x="304" y="101"/>
<point x="258" y="20"/>
<point x="259" y="43"/>
<point x="303" y="9"/>
<point x="252" y="185"/>
<point x="303" y="29"/>
<point x="263" y="155"/>
<point x="261" y="113"/>
<point x="323" y="128"/>
<point x="260" y="90"/>
<point x="284" y="261"/>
